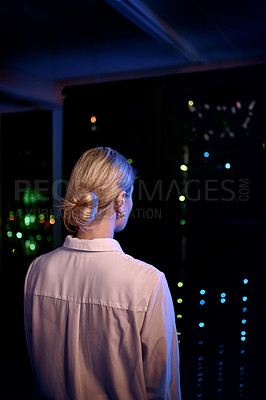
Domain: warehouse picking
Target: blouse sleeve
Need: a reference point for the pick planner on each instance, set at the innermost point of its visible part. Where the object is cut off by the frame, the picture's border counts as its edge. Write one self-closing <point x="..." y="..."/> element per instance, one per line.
<point x="160" y="346"/>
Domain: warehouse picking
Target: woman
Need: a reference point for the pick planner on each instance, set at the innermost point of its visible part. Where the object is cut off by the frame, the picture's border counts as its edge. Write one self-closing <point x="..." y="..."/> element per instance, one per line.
<point x="100" y="324"/>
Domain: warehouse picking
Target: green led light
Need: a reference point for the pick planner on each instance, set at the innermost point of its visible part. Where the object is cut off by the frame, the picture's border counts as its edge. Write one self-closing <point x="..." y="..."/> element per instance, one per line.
<point x="39" y="237"/>
<point x="32" y="218"/>
<point x="182" y="222"/>
<point x="52" y="216"/>
<point x="27" y="243"/>
<point x="180" y="284"/>
<point x="179" y="300"/>
<point x="11" y="213"/>
<point x="183" y="167"/>
<point x="179" y="316"/>
<point x="190" y="103"/>
<point x="182" y="198"/>
<point x="32" y="246"/>
<point x="9" y="234"/>
<point x="27" y="220"/>
<point x="129" y="160"/>
<point x="41" y="216"/>
<point x="19" y="235"/>
<point x="14" y="251"/>
<point x="49" y="238"/>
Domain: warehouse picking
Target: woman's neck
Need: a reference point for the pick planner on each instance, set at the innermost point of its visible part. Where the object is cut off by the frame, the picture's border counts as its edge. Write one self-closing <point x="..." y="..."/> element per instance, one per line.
<point x="102" y="229"/>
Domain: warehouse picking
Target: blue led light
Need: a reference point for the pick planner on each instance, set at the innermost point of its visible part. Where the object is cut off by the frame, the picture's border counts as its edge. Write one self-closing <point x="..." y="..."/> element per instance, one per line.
<point x="245" y="281"/>
<point x="244" y="321"/>
<point x="201" y="342"/>
<point x="202" y="291"/>
<point x="242" y="351"/>
<point x="202" y="302"/>
<point x="223" y="294"/>
<point x="223" y="300"/>
<point x="243" y="333"/>
<point x="244" y="298"/>
<point x="201" y="324"/>
<point x="206" y="154"/>
<point x="244" y="309"/>
<point x="227" y="165"/>
<point x="243" y="338"/>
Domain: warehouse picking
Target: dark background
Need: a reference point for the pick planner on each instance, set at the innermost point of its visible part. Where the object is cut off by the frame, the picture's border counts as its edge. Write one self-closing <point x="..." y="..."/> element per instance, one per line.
<point x="221" y="243"/>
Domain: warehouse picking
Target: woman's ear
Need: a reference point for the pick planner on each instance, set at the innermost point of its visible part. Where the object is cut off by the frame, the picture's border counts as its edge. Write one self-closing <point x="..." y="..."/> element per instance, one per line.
<point x="120" y="200"/>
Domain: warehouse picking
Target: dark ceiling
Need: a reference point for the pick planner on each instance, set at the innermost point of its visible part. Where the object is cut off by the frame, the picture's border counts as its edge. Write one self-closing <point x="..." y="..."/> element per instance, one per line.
<point x="46" y="46"/>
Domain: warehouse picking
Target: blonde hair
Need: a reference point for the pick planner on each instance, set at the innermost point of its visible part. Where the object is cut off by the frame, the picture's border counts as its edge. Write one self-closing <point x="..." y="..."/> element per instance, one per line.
<point x="96" y="181"/>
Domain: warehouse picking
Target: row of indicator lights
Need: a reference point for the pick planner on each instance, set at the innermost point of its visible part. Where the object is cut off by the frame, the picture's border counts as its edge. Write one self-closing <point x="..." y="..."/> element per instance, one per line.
<point x="200" y="371"/>
<point x="220" y="371"/>
<point x="202" y="302"/>
<point x="243" y="340"/>
<point x="179" y="301"/>
<point x="31" y="218"/>
<point x="182" y="198"/>
<point x="224" y="107"/>
<point x="244" y="309"/>
<point x="200" y="375"/>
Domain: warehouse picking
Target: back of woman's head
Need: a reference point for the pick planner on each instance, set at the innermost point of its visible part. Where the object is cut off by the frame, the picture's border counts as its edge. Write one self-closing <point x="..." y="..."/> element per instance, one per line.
<point x="95" y="183"/>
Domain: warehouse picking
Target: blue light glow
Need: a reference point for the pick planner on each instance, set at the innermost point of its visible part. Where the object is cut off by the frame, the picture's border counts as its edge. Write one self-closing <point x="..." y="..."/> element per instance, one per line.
<point x="245" y="281"/>
<point x="223" y="300"/>
<point x="223" y="294"/>
<point x="206" y="154"/>
<point x="202" y="302"/>
<point x="243" y="333"/>
<point x="244" y="309"/>
<point x="202" y="291"/>
<point x="201" y="324"/>
<point x="244" y="298"/>
<point x="227" y="165"/>
<point x="243" y="338"/>
<point x="244" y="321"/>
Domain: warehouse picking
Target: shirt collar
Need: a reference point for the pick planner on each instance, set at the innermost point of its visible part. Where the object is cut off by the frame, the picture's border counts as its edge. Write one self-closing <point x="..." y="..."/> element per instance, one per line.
<point x="101" y="244"/>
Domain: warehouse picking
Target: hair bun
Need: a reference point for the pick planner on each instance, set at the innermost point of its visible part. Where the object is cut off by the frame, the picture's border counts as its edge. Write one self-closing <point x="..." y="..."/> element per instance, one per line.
<point x="82" y="210"/>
